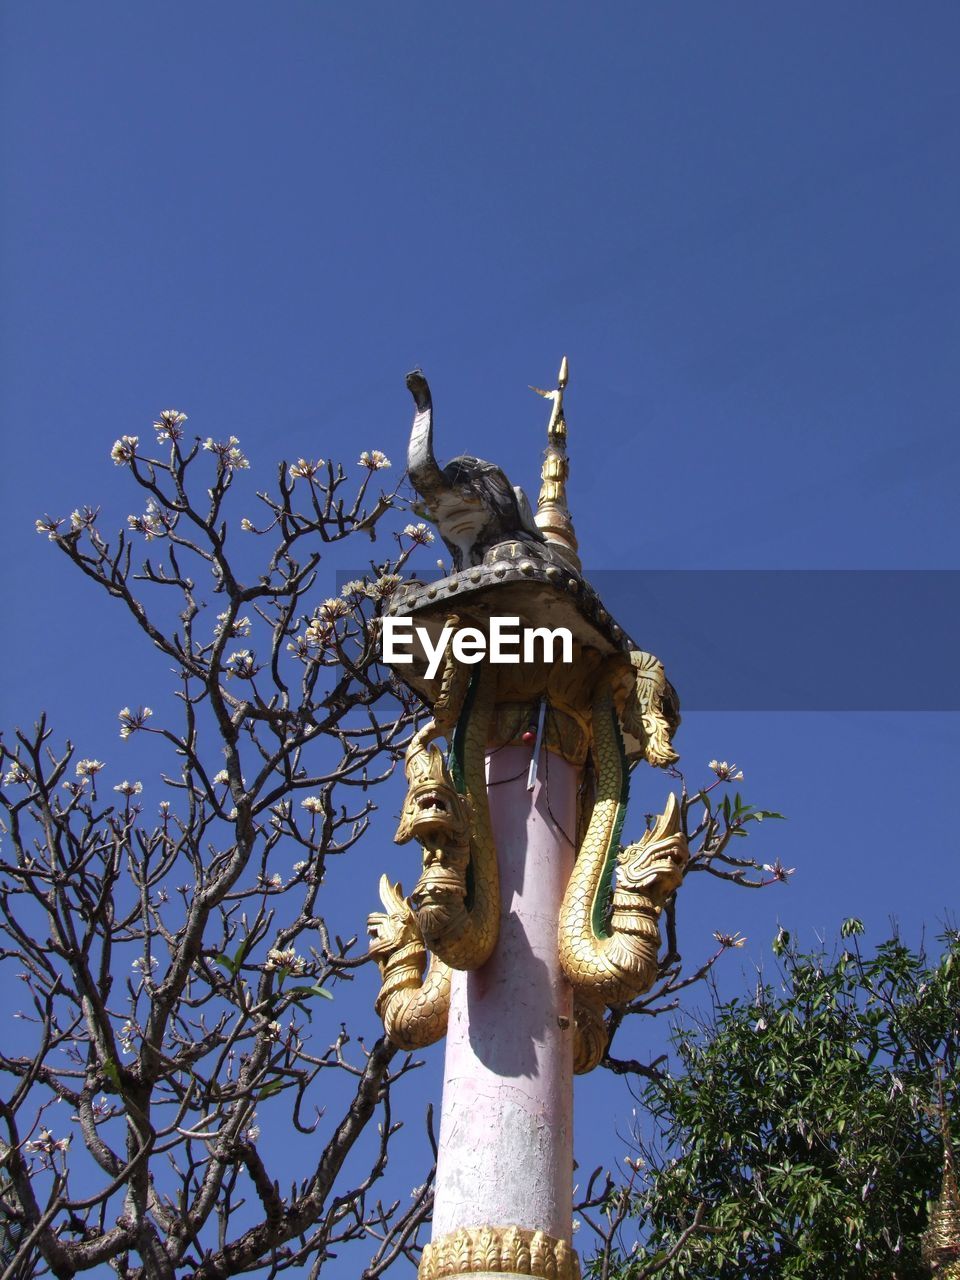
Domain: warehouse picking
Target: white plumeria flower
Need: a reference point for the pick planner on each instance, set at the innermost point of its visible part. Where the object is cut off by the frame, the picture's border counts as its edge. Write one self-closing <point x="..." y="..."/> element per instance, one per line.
<point x="50" y="526"/>
<point x="324" y="618"/>
<point x="280" y="812"/>
<point x="419" y="533"/>
<point x="241" y="662"/>
<point x="778" y="870"/>
<point x="374" y="460"/>
<point x="88" y="768"/>
<point x="154" y="523"/>
<point x="239" y="626"/>
<point x="285" y="958"/>
<point x="730" y="939"/>
<point x="384" y="586"/>
<point x="169" y="425"/>
<point x="312" y="804"/>
<point x="124" y="449"/>
<point x="229" y="454"/>
<point x="316" y="633"/>
<point x="302" y="469"/>
<point x="726" y="772"/>
<point x="46" y="1144"/>
<point x="83" y="517"/>
<point x="131" y="721"/>
<point x="129" y="788"/>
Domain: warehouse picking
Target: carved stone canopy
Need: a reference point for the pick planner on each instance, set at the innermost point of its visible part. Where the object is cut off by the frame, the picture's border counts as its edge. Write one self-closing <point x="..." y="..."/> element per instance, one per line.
<point x="536" y="585"/>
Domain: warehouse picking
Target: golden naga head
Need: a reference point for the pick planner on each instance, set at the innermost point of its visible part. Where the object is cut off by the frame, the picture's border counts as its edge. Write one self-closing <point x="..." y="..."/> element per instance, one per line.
<point x="654" y="866"/>
<point x="433" y="810"/>
<point x="439" y="896"/>
<point x="393" y="928"/>
<point x="649" y="707"/>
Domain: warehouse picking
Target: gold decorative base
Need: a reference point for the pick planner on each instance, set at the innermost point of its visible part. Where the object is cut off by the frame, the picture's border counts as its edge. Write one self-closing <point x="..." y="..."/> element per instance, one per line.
<point x="479" y="1252"/>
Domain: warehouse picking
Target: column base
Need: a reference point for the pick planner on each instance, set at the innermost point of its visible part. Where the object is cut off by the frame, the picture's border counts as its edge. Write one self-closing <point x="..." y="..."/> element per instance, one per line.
<point x="495" y="1253"/>
<point x="489" y="1275"/>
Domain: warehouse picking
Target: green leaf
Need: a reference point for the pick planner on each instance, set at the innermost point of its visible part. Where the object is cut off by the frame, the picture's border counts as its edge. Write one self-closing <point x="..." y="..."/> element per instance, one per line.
<point x="301" y="993"/>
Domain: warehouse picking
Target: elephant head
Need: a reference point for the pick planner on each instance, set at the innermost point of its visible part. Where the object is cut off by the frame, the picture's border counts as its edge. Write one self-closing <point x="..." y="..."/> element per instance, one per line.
<point x="471" y="502"/>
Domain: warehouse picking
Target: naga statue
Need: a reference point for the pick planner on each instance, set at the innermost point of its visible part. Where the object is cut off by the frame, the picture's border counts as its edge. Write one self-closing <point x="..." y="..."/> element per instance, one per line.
<point x="414" y="998"/>
<point x="457" y="898"/>
<point x="471" y="502"/>
<point x="609" y="936"/>
<point x="437" y="816"/>
<point x="455" y="906"/>
<point x="612" y="704"/>
<point x="413" y="1005"/>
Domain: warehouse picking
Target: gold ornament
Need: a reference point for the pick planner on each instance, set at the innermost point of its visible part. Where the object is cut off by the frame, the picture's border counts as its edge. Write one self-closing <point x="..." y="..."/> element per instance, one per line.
<point x="553" y="515"/>
<point x="940" y="1245"/>
<point x="609" y="935"/>
<point x="453" y="827"/>
<point x="413" y="1006"/>
<point x="611" y="963"/>
<point x="501" y="1251"/>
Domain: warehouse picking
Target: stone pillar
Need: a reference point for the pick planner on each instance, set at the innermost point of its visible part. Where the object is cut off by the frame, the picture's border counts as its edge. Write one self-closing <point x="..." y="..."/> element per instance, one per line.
<point x="505" y="1168"/>
<point x="503" y="1192"/>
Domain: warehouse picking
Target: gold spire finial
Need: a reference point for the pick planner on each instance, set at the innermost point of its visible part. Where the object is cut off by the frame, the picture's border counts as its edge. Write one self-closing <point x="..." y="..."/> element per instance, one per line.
<point x="553" y="514"/>
<point x="940" y="1245"/>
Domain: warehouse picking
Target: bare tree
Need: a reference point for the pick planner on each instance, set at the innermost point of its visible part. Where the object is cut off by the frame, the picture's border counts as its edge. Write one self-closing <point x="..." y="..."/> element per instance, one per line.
<point x="172" y="961"/>
<point x="171" y="967"/>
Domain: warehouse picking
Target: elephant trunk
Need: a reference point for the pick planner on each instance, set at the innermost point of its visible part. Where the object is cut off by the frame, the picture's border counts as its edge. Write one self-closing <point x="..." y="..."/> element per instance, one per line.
<point x="425" y="476"/>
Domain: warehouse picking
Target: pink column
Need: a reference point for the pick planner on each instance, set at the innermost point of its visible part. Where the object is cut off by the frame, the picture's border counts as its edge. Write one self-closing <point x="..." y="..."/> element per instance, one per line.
<point x="506" y="1128"/>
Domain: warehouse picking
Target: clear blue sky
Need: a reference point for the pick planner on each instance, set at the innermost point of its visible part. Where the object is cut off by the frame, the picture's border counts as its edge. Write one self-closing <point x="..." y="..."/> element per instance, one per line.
<point x="740" y="222"/>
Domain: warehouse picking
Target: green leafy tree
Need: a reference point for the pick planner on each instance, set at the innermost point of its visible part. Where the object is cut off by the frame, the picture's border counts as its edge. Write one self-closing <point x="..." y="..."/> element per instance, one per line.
<point x="801" y="1138"/>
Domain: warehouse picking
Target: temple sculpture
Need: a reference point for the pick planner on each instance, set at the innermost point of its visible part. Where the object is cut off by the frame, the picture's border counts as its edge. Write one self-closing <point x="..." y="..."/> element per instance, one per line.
<point x="940" y="1245"/>
<point x="529" y="918"/>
